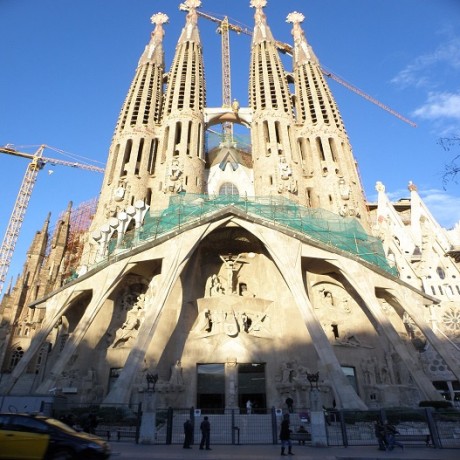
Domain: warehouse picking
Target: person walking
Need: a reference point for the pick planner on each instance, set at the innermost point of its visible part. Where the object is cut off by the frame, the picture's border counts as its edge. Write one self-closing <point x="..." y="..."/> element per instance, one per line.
<point x="379" y="430"/>
<point x="285" y="436"/>
<point x="205" y="428"/>
<point x="188" y="434"/>
<point x="391" y="432"/>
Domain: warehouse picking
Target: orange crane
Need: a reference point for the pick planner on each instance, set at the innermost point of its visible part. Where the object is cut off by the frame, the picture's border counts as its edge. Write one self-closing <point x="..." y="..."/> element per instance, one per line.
<point x="38" y="161"/>
<point x="285" y="48"/>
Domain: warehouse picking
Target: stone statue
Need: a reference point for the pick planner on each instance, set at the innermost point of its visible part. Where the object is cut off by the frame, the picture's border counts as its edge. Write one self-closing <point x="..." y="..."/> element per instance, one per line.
<point x="216" y="288"/>
<point x="286" y="373"/>
<point x="176" y="374"/>
<point x="129" y="328"/>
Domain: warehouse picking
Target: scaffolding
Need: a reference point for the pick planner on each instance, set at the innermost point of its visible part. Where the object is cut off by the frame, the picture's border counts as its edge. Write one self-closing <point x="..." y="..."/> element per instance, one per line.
<point x="80" y="221"/>
<point x="345" y="234"/>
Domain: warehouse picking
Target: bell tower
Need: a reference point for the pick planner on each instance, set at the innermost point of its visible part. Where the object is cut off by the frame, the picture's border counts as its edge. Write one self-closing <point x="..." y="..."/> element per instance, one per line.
<point x="181" y="150"/>
<point x="277" y="170"/>
<point x="133" y="153"/>
<point x="330" y="170"/>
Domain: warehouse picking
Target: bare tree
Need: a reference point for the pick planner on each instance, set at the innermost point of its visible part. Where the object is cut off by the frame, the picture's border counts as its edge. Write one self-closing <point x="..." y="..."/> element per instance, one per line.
<point x="451" y="169"/>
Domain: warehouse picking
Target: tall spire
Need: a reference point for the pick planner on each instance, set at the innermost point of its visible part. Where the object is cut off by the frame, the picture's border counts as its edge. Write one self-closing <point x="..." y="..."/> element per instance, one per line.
<point x="133" y="151"/>
<point x="329" y="168"/>
<point x="181" y="160"/>
<point x="261" y="30"/>
<point x="276" y="164"/>
<point x="153" y="52"/>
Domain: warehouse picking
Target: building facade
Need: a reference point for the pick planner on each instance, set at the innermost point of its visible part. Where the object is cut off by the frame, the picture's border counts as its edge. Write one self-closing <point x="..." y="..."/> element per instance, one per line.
<point x="233" y="273"/>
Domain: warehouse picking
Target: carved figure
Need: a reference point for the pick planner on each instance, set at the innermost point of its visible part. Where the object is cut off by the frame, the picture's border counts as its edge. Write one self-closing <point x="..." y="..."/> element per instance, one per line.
<point x="216" y="286"/>
<point x="286" y="373"/>
<point x="128" y="328"/>
<point x="232" y="268"/>
<point x="176" y="374"/>
<point x="285" y="169"/>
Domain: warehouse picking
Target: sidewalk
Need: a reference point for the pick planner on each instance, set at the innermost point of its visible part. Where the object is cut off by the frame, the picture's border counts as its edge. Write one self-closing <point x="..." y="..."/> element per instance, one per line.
<point x="124" y="450"/>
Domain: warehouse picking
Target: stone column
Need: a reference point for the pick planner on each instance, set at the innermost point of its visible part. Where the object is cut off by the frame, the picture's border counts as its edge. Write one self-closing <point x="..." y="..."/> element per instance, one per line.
<point x="318" y="424"/>
<point x="231" y="384"/>
<point x="148" y="431"/>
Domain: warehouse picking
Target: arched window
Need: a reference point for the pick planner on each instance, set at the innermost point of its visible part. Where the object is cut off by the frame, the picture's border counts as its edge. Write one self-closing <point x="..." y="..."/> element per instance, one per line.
<point x="16" y="357"/>
<point x="228" y="188"/>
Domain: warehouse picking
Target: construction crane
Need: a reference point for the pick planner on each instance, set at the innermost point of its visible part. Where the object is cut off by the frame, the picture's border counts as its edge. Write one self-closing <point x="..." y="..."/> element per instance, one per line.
<point x="285" y="48"/>
<point x="37" y="163"/>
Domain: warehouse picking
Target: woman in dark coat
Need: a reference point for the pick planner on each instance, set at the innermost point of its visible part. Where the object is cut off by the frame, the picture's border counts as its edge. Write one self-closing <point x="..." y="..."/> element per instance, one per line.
<point x="188" y="434"/>
<point x="285" y="436"/>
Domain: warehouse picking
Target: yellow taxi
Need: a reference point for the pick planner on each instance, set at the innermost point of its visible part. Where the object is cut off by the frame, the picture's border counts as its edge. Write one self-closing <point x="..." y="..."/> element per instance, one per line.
<point x="37" y="437"/>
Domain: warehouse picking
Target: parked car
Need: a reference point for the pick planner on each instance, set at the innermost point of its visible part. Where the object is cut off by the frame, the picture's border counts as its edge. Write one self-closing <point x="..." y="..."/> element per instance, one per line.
<point x="26" y="436"/>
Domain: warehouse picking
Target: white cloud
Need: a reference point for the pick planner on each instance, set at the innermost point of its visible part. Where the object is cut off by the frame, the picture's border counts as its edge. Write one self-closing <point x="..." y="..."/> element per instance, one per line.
<point x="417" y="72"/>
<point x="440" y="105"/>
<point x="444" y="207"/>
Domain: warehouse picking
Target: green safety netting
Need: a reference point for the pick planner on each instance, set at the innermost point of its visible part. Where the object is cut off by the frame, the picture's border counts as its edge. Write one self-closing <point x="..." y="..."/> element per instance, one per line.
<point x="324" y="226"/>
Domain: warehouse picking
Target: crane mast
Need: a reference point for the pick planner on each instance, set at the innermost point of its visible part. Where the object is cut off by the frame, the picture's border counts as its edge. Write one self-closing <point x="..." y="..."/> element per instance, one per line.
<point x="226" y="76"/>
<point x="36" y="164"/>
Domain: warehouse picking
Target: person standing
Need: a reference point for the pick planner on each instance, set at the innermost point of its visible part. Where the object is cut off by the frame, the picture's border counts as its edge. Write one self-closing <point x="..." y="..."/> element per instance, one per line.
<point x="290" y="404"/>
<point x="188" y="432"/>
<point x="249" y="406"/>
<point x="205" y="428"/>
<point x="285" y="436"/>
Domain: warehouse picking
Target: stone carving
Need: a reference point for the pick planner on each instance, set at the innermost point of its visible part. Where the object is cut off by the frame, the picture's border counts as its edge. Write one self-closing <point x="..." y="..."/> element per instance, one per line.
<point x="216" y="288"/>
<point x="174" y="173"/>
<point x="286" y="179"/>
<point x="344" y="190"/>
<point x="368" y="368"/>
<point x="232" y="266"/>
<point x="176" y="374"/>
<point x="286" y="373"/>
<point x="246" y="322"/>
<point x="129" y="328"/>
<point x="326" y="297"/>
<point x="451" y="319"/>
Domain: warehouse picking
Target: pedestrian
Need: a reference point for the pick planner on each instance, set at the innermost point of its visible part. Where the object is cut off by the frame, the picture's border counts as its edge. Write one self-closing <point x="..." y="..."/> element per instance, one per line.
<point x="188" y="434"/>
<point x="290" y="404"/>
<point x="390" y="435"/>
<point x="205" y="428"/>
<point x="379" y="430"/>
<point x="285" y="436"/>
<point x="304" y="432"/>
<point x="249" y="406"/>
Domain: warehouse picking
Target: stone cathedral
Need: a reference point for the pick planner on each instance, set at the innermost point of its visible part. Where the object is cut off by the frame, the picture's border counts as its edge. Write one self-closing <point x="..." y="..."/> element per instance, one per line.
<point x="235" y="273"/>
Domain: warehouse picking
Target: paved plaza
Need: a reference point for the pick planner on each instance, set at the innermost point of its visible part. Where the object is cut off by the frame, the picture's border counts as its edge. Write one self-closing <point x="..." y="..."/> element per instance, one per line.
<point x="133" y="451"/>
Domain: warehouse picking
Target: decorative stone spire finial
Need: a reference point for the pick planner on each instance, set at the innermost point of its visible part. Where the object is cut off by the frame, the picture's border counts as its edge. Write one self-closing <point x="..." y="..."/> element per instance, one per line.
<point x="379" y="187"/>
<point x="191" y="19"/>
<point x="301" y="51"/>
<point x="261" y="31"/>
<point x="156" y="40"/>
<point x="258" y="5"/>
<point x="412" y="187"/>
<point x="159" y="19"/>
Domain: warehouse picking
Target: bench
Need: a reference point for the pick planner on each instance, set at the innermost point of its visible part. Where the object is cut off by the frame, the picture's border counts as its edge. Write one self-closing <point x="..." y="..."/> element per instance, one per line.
<point x="301" y="437"/>
<point x="414" y="439"/>
<point x="126" y="434"/>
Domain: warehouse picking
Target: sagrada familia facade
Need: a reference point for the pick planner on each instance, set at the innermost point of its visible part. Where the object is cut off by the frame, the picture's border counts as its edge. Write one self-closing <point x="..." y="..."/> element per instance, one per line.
<point x="235" y="274"/>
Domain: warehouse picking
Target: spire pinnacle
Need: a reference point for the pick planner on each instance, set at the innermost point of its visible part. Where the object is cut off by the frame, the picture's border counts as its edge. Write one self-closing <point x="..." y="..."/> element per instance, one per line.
<point x="154" y="48"/>
<point x="302" y="52"/>
<point x="191" y="19"/>
<point x="261" y="31"/>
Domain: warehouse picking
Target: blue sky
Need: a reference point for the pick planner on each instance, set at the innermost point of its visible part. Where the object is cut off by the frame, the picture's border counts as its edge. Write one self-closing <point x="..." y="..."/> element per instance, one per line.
<point x="66" y="67"/>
